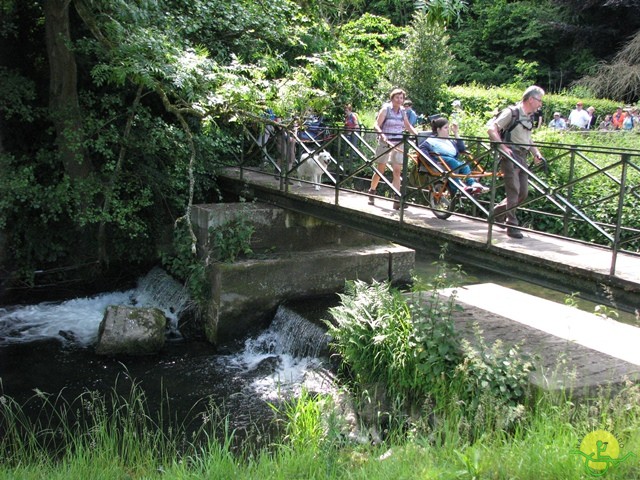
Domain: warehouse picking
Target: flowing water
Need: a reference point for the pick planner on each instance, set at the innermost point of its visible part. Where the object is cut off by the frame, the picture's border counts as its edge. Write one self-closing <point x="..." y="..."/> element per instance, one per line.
<point x="48" y="347"/>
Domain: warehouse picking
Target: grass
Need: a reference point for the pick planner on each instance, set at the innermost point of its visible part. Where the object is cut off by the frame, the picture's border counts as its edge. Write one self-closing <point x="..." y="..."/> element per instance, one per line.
<point x="112" y="447"/>
<point x="469" y="423"/>
<point x="115" y="437"/>
<point x="539" y="448"/>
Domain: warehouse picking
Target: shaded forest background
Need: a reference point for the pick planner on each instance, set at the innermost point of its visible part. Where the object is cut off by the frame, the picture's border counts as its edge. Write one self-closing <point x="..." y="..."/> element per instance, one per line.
<point x="115" y="114"/>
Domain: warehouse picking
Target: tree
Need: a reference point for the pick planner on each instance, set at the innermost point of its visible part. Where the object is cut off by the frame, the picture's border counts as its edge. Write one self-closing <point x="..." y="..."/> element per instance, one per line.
<point x="619" y="79"/>
<point x="422" y="68"/>
<point x="136" y="108"/>
<point x="495" y="35"/>
<point x="64" y="106"/>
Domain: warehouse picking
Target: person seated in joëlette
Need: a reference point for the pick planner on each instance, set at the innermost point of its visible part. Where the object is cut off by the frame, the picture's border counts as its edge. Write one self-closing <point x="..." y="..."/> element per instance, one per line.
<point x="448" y="150"/>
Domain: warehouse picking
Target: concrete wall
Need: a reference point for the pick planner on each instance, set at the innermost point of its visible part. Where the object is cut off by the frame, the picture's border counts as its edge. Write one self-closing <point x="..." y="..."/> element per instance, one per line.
<point x="306" y="257"/>
<point x="278" y="230"/>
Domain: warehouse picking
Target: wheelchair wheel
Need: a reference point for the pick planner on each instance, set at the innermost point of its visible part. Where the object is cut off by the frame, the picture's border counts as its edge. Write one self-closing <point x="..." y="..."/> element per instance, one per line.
<point x="420" y="181"/>
<point x="441" y="201"/>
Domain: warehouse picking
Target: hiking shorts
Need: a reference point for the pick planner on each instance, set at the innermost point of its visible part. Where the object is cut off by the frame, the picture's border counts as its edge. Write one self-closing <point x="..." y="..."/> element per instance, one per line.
<point x="390" y="155"/>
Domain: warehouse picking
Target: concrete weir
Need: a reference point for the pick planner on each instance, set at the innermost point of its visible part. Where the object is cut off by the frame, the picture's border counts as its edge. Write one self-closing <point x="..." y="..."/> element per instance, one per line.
<point x="294" y="256"/>
<point x="572" y="349"/>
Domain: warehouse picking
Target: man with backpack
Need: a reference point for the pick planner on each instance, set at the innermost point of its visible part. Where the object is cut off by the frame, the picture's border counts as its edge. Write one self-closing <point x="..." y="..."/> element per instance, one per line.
<point x="511" y="130"/>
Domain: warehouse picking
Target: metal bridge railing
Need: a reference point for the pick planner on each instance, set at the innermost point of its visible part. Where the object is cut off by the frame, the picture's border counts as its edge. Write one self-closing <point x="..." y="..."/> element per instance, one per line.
<point x="590" y="194"/>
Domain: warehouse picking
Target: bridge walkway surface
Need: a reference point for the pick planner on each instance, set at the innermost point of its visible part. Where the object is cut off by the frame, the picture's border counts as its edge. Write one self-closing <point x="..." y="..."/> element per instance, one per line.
<point x="596" y="350"/>
<point x="556" y="262"/>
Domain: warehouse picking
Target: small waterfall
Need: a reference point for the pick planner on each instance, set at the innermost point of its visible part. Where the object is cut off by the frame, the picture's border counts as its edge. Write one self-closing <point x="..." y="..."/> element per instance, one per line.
<point x="285" y="357"/>
<point x="292" y="334"/>
<point x="158" y="289"/>
<point x="77" y="321"/>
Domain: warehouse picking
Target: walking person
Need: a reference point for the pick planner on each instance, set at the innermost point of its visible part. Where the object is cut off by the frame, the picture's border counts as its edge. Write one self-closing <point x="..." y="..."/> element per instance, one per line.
<point x="514" y="125"/>
<point x="351" y="127"/>
<point x="412" y="116"/>
<point x="391" y="122"/>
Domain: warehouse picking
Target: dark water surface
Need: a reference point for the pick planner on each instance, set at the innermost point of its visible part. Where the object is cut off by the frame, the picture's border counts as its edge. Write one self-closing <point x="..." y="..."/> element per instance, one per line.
<point x="48" y="348"/>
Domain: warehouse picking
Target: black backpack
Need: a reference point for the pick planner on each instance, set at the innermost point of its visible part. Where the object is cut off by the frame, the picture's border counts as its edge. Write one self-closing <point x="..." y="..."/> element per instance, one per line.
<point x="505" y="133"/>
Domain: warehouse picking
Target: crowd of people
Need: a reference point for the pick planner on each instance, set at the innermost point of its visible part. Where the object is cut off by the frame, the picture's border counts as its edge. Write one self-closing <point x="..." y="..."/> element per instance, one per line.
<point x="511" y="129"/>
<point x="580" y="119"/>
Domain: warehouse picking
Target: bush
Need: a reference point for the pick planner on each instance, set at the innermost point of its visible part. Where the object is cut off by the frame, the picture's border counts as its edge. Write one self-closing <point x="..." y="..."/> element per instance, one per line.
<point x="423" y="66"/>
<point x="408" y="347"/>
<point x="479" y="104"/>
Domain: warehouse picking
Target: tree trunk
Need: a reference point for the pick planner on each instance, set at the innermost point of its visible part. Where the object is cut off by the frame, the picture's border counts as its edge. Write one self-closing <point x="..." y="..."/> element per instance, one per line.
<point x="63" y="89"/>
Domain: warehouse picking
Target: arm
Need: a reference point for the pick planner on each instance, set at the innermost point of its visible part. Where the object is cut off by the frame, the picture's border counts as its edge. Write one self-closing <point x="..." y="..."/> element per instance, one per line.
<point x="494" y="136"/>
<point x="382" y="114"/>
<point x="459" y="143"/>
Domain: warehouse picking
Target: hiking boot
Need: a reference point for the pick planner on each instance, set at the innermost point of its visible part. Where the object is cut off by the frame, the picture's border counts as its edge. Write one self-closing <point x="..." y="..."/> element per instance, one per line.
<point x="514" y="232"/>
<point x="372" y="197"/>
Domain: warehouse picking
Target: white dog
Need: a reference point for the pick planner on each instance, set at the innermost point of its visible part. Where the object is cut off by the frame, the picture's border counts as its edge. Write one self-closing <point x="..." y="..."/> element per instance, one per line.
<point x="310" y="169"/>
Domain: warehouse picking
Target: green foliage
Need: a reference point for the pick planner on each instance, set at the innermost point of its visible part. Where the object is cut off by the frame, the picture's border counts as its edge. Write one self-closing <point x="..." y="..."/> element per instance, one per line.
<point x="231" y="239"/>
<point x="422" y="68"/>
<point x="16" y="95"/>
<point x="347" y="70"/>
<point x="527" y="74"/>
<point x="117" y="437"/>
<point x="443" y="12"/>
<point x="410" y="348"/>
<point x="479" y="104"/>
<point x="375" y="338"/>
<point x="183" y="264"/>
<point x="502" y="372"/>
<point x="303" y="423"/>
<point x="496" y="35"/>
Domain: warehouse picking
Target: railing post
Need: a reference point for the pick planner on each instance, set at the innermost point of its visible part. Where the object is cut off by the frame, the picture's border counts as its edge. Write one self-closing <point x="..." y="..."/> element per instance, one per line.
<point x="339" y="163"/>
<point x="244" y="135"/>
<point x="403" y="177"/>
<point x="492" y="199"/>
<point x="616" y="237"/>
<point x="572" y="172"/>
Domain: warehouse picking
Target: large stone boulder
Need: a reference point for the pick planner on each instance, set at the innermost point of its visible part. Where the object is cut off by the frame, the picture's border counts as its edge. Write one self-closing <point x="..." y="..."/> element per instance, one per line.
<point x="131" y="331"/>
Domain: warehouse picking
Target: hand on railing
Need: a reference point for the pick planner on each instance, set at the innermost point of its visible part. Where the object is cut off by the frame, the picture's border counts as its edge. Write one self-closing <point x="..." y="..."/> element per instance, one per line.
<point x="541" y="162"/>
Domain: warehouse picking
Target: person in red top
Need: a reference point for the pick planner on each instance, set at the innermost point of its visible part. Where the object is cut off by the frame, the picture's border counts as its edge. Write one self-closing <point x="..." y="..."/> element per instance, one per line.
<point x="617" y="119"/>
<point x="351" y="126"/>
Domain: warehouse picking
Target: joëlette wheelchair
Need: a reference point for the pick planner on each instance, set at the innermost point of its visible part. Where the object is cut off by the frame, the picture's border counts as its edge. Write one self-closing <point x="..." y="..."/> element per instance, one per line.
<point x="432" y="178"/>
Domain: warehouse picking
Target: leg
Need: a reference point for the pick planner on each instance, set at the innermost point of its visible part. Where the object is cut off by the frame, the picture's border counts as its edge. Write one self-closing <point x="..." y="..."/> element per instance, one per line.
<point x="397" y="175"/>
<point x="459" y="167"/>
<point x="382" y="154"/>
<point x="397" y="159"/>
<point x="517" y="189"/>
<point x="511" y="187"/>
<point x="374" y="183"/>
<point x="381" y="167"/>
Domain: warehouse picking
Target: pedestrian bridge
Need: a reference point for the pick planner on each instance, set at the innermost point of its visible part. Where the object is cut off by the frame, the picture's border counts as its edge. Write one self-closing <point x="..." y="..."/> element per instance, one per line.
<point x="605" y="270"/>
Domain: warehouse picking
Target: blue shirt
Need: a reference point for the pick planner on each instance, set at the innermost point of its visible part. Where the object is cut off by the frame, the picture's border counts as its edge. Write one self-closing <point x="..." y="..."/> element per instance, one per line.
<point x="412" y="116"/>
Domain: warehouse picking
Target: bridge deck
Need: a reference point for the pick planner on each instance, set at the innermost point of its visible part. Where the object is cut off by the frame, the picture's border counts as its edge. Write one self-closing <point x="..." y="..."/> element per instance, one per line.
<point x="560" y="263"/>
<point x="569" y="347"/>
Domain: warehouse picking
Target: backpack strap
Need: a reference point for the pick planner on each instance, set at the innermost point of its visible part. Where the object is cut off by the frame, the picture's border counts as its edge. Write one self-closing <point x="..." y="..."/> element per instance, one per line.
<point x="505" y="134"/>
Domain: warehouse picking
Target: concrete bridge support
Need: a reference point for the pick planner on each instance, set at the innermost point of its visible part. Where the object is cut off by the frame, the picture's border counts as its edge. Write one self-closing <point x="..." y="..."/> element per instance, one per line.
<point x="294" y="256"/>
